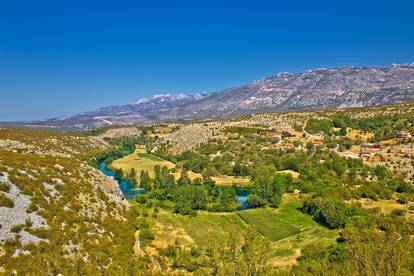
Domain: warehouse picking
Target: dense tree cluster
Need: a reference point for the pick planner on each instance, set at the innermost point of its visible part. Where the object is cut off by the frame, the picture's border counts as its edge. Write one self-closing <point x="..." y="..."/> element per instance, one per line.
<point x="187" y="195"/>
<point x="316" y="125"/>
<point x="330" y="212"/>
<point x="370" y="244"/>
<point x="268" y="188"/>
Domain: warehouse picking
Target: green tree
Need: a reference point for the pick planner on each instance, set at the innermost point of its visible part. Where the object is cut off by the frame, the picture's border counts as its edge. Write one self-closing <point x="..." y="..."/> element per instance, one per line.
<point x="376" y="252"/>
<point x="184" y="178"/>
<point x="145" y="180"/>
<point x="228" y="199"/>
<point x="255" y="201"/>
<point x="270" y="187"/>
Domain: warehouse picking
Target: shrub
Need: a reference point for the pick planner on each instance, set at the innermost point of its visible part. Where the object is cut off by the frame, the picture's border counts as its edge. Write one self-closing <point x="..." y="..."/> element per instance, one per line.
<point x="403" y="199"/>
<point x="146" y="235"/>
<point x="332" y="145"/>
<point x="398" y="212"/>
<point x="313" y="252"/>
<point x="17" y="228"/>
<point x="141" y="199"/>
<point x="5" y="201"/>
<point x="4" y="187"/>
<point x="403" y="187"/>
<point x="141" y="224"/>
<point x="149" y="204"/>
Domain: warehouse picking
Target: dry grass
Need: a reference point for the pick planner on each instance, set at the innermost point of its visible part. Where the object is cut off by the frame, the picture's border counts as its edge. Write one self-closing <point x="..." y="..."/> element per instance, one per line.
<point x="167" y="235"/>
<point x="385" y="206"/>
<point x="294" y="174"/>
<point x="141" y="160"/>
<point x="354" y="134"/>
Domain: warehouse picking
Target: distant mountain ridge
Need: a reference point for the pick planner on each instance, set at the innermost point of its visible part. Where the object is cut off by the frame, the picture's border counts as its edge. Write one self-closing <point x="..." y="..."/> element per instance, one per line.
<point x="340" y="87"/>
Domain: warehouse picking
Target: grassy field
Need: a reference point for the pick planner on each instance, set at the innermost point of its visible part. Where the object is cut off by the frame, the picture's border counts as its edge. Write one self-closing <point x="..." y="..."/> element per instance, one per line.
<point x="141" y="160"/>
<point x="280" y="223"/>
<point x="355" y="134"/>
<point x="386" y="206"/>
<point x="199" y="230"/>
<point x="288" y="229"/>
<point x="231" y="180"/>
<point x="268" y="223"/>
<point x="295" y="175"/>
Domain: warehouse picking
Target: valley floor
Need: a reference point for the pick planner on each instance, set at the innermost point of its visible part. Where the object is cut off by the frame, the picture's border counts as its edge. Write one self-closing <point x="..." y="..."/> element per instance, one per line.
<point x="287" y="229"/>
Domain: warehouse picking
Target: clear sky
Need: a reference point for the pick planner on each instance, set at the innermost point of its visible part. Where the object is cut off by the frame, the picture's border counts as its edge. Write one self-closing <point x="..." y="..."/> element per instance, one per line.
<point x="61" y="57"/>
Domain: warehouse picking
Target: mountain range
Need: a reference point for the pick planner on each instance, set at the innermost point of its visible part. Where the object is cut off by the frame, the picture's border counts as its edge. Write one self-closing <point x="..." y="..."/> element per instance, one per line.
<point x="340" y="87"/>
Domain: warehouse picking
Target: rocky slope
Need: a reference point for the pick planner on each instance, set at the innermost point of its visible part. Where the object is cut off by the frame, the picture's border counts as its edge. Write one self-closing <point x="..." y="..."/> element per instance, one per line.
<point x="314" y="89"/>
<point x="57" y="214"/>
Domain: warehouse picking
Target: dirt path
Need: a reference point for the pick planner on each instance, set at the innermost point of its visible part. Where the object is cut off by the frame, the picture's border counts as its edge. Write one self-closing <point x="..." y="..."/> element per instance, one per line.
<point x="137" y="244"/>
<point x="291" y="260"/>
<point x="139" y="252"/>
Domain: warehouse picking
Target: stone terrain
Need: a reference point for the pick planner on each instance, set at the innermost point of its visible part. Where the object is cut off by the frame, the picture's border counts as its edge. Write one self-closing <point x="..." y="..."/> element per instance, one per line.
<point x="18" y="215"/>
<point x="51" y="197"/>
<point x="119" y="132"/>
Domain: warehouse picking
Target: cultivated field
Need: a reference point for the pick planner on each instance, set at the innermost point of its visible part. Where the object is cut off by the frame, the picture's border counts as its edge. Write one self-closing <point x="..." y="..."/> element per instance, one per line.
<point x="287" y="228"/>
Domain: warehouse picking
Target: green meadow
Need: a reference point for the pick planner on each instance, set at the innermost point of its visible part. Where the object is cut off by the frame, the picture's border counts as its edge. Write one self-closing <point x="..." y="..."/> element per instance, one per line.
<point x="287" y="228"/>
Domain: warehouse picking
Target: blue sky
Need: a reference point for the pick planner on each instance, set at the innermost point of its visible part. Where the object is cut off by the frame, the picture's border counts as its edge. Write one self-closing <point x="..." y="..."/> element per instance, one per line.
<point x="64" y="57"/>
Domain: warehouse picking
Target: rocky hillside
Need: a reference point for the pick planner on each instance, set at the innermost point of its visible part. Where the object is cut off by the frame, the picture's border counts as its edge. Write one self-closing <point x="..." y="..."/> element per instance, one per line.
<point x="57" y="214"/>
<point x="314" y="89"/>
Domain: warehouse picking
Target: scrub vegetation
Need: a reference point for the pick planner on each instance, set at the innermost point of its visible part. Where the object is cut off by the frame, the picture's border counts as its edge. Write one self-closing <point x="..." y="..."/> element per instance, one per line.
<point x="319" y="197"/>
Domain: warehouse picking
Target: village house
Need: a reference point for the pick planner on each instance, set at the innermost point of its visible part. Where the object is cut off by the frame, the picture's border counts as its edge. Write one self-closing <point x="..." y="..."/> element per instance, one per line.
<point x="376" y="147"/>
<point x="289" y="146"/>
<point x="274" y="135"/>
<point x="366" y="146"/>
<point x="317" y="143"/>
<point x="320" y="134"/>
<point x="366" y="155"/>
<point x="403" y="135"/>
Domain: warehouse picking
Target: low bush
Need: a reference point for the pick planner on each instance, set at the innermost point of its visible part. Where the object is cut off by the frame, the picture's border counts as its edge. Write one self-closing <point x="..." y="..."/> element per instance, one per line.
<point x="5" y="201"/>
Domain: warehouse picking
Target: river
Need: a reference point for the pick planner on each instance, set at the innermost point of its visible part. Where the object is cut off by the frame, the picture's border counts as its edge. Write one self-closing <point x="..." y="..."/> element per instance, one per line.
<point x="131" y="191"/>
<point x="128" y="189"/>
